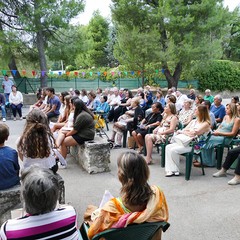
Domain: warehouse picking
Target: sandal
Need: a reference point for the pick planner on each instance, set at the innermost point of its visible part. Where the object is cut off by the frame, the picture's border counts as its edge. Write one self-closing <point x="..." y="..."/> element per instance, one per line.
<point x="140" y="151"/>
<point x="149" y="162"/>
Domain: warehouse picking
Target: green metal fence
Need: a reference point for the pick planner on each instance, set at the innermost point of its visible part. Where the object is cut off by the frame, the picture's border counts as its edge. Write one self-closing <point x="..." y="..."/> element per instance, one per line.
<point x="30" y="85"/>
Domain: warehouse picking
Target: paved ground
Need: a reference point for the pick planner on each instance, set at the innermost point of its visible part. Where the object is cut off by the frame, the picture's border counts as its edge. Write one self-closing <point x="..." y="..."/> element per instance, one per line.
<point x="202" y="208"/>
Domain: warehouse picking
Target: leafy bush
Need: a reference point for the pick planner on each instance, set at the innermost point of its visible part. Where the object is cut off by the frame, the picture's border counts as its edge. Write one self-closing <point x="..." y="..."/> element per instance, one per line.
<point x="218" y="75"/>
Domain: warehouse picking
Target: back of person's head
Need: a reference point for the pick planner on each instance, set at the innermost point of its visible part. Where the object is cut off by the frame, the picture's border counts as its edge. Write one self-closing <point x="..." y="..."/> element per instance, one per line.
<point x="203" y="113"/>
<point x="67" y="98"/>
<point x="77" y="92"/>
<point x="130" y="94"/>
<point x="207" y="103"/>
<point x="92" y="94"/>
<point x="200" y="98"/>
<point x="79" y="107"/>
<point x="83" y="92"/>
<point x="172" y="98"/>
<point x="105" y="98"/>
<point x="73" y="98"/>
<point x="235" y="99"/>
<point x="39" y="190"/>
<point x="172" y="107"/>
<point x="50" y="89"/>
<point x="4" y="132"/>
<point x="36" y="140"/>
<point x="64" y="94"/>
<point x="36" y="116"/>
<point x="133" y="173"/>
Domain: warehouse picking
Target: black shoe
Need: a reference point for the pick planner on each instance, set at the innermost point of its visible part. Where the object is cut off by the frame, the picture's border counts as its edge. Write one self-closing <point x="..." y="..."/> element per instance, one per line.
<point x="117" y="146"/>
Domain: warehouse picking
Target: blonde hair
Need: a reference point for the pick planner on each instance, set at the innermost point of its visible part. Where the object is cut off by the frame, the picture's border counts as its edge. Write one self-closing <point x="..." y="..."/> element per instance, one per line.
<point x="233" y="109"/>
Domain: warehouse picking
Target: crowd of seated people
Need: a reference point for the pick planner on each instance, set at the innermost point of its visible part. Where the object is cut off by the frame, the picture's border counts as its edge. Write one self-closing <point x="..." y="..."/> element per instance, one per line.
<point x="138" y="201"/>
<point x="117" y="105"/>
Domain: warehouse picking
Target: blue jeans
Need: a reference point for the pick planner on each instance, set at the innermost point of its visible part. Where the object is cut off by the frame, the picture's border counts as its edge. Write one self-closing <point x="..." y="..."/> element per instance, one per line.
<point x="17" y="108"/>
<point x="3" y="111"/>
<point x="7" y="97"/>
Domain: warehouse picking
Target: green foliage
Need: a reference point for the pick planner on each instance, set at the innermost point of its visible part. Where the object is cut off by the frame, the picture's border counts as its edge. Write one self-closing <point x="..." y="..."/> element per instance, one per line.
<point x="232" y="39"/>
<point x="71" y="68"/>
<point x="218" y="75"/>
<point x="95" y="38"/>
<point x="187" y="31"/>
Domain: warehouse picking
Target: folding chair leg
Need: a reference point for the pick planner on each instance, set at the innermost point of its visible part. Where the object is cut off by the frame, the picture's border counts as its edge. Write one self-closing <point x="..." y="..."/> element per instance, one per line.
<point x="163" y="150"/>
<point x="189" y="158"/>
<point x="125" y="139"/>
<point x="201" y="160"/>
<point x="220" y="150"/>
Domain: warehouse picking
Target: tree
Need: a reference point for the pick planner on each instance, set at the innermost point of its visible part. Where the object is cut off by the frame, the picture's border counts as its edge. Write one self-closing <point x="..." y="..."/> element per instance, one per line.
<point x="67" y="47"/>
<point x="41" y="19"/>
<point x="232" y="47"/>
<point x="112" y="61"/>
<point x="95" y="42"/>
<point x="188" y="29"/>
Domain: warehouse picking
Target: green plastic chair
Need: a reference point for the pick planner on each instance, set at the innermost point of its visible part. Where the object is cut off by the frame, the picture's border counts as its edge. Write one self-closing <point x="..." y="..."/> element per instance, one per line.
<point x="144" y="231"/>
<point x="220" y="149"/>
<point x="189" y="157"/>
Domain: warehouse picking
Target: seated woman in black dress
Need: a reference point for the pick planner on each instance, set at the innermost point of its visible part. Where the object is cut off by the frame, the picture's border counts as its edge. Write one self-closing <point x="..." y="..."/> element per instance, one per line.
<point x="151" y="121"/>
<point x="122" y="107"/>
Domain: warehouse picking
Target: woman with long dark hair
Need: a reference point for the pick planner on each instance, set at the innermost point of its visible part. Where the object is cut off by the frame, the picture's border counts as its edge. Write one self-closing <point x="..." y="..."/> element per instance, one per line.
<point x="138" y="202"/>
<point x="83" y="128"/>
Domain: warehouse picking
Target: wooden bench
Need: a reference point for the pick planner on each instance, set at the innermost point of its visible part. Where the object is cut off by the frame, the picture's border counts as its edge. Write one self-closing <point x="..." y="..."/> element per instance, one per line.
<point x="9" y="200"/>
<point x="93" y="156"/>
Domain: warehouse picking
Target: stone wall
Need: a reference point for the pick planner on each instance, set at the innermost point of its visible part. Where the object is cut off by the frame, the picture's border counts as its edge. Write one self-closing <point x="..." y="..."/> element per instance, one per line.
<point x="93" y="156"/>
<point x="9" y="200"/>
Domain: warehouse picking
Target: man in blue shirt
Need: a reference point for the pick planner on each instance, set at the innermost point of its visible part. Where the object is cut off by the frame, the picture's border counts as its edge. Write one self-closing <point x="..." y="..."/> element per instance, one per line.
<point x="9" y="167"/>
<point x="218" y="109"/>
<point x="53" y="102"/>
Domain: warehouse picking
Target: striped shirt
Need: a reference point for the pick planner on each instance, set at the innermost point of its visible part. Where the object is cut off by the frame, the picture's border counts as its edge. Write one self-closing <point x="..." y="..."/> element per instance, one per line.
<point x="58" y="224"/>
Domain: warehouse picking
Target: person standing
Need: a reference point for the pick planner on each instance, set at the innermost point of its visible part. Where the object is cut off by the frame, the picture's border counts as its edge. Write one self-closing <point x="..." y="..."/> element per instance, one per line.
<point x="7" y="86"/>
<point x="16" y="102"/>
<point x="2" y="107"/>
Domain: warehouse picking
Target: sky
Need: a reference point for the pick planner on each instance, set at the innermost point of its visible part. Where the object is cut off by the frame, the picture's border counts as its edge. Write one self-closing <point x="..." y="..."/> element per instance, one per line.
<point x="103" y="6"/>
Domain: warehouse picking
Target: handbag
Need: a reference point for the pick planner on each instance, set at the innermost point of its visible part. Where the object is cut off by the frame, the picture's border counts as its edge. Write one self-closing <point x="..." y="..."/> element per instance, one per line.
<point x="182" y="139"/>
<point x="131" y="142"/>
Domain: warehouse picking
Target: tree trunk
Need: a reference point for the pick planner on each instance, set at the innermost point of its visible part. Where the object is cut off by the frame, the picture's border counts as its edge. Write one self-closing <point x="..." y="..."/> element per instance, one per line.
<point x="13" y="66"/>
<point x="42" y="58"/>
<point x="173" y="79"/>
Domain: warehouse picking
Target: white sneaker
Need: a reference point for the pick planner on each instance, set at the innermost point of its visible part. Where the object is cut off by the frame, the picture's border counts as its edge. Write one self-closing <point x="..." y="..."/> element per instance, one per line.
<point x="61" y="166"/>
<point x="4" y="119"/>
<point x="14" y="119"/>
<point x="220" y="173"/>
<point x="234" y="181"/>
<point x="21" y="118"/>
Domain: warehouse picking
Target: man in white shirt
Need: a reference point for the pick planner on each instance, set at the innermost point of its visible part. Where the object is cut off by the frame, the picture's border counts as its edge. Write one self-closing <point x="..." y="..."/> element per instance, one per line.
<point x="180" y="100"/>
<point x="115" y="101"/>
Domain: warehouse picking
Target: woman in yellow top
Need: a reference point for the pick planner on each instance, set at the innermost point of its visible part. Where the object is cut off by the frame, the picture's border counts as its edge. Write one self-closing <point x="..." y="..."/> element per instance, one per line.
<point x="138" y="202"/>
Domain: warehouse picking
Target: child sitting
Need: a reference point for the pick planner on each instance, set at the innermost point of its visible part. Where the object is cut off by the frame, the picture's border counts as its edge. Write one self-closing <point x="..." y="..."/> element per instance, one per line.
<point x="9" y="167"/>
